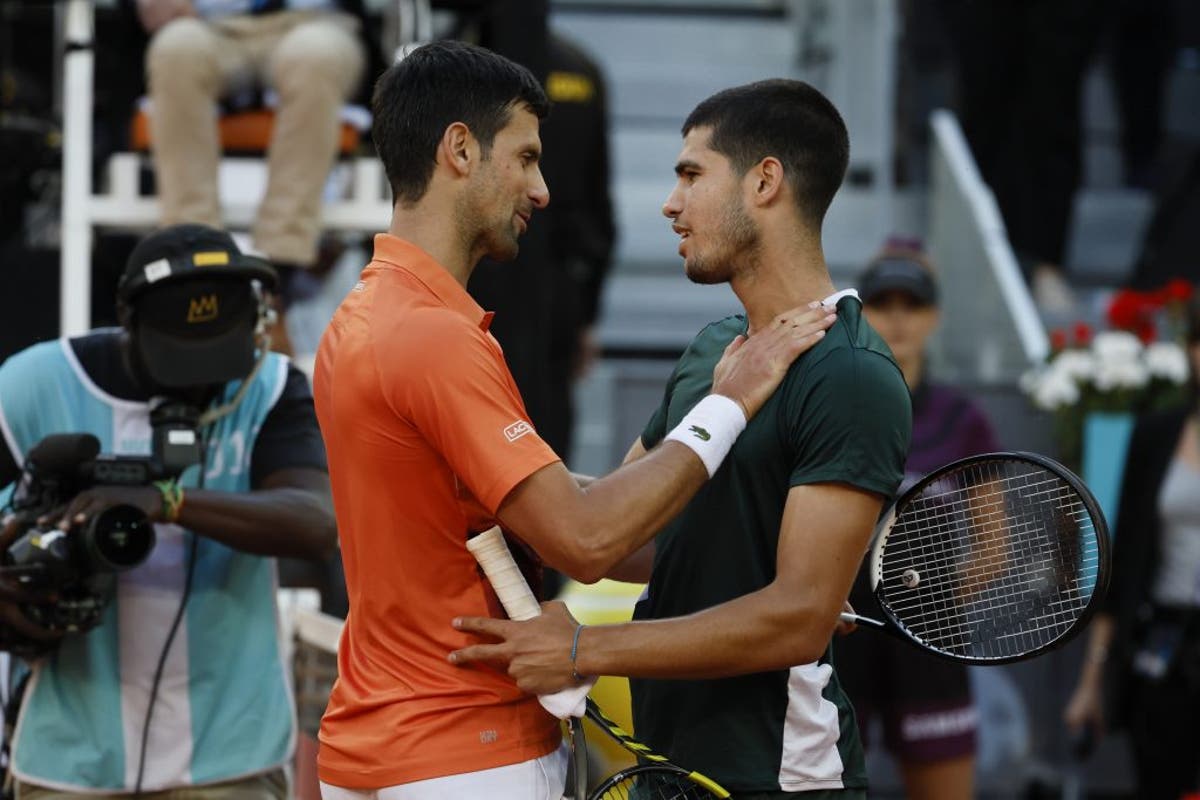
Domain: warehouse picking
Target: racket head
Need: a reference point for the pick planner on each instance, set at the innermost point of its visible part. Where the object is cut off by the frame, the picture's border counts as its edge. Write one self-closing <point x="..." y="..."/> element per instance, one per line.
<point x="991" y="559"/>
<point x="662" y="781"/>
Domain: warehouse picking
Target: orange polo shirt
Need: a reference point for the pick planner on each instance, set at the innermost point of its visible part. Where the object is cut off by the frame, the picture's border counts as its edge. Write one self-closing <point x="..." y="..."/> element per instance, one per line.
<point x="426" y="434"/>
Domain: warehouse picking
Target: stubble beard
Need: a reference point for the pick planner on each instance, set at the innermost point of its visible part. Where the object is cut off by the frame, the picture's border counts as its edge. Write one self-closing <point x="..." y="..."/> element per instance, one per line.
<point x="494" y="237"/>
<point x="738" y="239"/>
<point x="500" y="241"/>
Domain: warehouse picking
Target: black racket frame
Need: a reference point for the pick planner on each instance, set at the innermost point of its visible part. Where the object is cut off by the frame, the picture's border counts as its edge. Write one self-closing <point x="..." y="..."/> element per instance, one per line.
<point x="897" y="628"/>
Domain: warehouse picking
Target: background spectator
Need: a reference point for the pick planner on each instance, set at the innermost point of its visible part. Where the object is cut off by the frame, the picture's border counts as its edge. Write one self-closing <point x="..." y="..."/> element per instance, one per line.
<point x="1143" y="650"/>
<point x="307" y="53"/>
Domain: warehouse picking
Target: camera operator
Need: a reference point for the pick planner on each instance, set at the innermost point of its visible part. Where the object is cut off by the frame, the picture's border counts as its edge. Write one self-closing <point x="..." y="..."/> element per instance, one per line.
<point x="181" y="682"/>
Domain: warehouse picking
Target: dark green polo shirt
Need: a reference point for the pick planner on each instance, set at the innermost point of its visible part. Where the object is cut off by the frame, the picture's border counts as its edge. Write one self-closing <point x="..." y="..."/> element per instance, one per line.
<point x="841" y="415"/>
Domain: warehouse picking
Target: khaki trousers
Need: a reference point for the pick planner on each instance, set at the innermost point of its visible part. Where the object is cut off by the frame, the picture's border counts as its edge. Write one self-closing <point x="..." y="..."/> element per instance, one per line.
<point x="268" y="786"/>
<point x="312" y="59"/>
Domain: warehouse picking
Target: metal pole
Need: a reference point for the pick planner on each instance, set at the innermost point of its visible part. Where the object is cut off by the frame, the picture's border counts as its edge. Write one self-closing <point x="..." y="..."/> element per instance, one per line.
<point x="75" y="274"/>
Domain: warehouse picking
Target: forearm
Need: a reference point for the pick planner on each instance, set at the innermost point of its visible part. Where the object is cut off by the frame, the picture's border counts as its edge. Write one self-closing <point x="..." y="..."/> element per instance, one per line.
<point x="1100" y="637"/>
<point x="585" y="531"/>
<point x="284" y="521"/>
<point x="627" y="507"/>
<point x="754" y="633"/>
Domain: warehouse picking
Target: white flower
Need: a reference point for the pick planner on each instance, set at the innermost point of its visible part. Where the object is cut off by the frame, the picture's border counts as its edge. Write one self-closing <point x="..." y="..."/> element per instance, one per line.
<point x="1029" y="379"/>
<point x="1121" y="374"/>
<point x="1167" y="360"/>
<point x="1116" y="347"/>
<point x="1053" y="388"/>
<point x="1078" y="365"/>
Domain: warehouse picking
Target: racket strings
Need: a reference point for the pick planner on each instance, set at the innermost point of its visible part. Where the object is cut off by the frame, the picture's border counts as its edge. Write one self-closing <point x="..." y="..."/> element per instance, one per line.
<point x="990" y="549"/>
<point x="930" y="523"/>
<point x="996" y="559"/>
<point x="986" y="556"/>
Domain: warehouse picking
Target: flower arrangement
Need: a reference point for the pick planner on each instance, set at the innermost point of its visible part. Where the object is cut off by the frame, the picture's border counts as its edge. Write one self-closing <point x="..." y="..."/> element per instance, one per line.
<point x="1141" y="364"/>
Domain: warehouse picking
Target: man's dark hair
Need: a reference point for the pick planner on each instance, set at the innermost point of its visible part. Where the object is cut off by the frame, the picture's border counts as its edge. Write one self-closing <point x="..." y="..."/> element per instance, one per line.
<point x="789" y="120"/>
<point x="433" y="87"/>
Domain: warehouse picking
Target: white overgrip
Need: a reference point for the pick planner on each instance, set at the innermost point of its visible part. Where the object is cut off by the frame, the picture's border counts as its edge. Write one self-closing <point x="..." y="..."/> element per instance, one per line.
<point x="519" y="603"/>
<point x="503" y="574"/>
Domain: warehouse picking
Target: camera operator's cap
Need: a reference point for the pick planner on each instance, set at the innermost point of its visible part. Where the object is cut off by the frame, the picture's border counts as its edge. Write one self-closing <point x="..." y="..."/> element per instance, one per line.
<point x="183" y="251"/>
<point x="898" y="273"/>
<point x="194" y="309"/>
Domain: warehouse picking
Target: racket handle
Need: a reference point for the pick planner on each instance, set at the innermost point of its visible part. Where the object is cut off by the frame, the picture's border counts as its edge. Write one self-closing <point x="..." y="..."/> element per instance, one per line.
<point x="503" y="574"/>
<point x="519" y="603"/>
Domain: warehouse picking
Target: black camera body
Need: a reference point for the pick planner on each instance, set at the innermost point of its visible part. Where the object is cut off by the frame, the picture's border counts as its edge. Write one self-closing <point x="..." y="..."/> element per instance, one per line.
<point x="78" y="567"/>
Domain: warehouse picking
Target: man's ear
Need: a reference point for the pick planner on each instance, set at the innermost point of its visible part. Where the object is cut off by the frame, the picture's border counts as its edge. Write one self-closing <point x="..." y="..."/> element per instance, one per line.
<point x="767" y="181"/>
<point x="458" y="149"/>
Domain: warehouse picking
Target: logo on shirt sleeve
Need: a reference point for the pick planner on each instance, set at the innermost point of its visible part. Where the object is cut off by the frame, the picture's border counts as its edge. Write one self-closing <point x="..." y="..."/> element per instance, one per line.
<point x="517" y="430"/>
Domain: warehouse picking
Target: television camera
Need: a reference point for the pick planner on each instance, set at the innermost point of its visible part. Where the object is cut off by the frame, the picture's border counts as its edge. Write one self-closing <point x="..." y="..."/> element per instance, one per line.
<point x="76" y="568"/>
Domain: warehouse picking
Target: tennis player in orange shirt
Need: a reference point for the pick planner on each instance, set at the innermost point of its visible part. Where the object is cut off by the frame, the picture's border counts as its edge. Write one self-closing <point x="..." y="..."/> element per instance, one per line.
<point x="428" y="441"/>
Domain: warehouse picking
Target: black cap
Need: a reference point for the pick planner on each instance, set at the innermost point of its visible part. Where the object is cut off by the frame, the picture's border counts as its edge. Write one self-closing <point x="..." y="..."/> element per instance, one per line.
<point x="182" y="252"/>
<point x="194" y="310"/>
<point x="898" y="274"/>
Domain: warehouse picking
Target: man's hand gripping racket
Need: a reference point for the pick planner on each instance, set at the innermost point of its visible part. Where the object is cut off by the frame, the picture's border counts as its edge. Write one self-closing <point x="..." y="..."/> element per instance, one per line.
<point x="655" y="776"/>
<point x="519" y="603"/>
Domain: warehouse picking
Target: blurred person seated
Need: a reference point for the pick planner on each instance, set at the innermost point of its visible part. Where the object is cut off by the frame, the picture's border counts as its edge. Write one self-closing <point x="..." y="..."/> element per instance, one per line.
<point x="924" y="703"/>
<point x="1141" y="667"/>
<point x="308" y="54"/>
<point x="142" y="597"/>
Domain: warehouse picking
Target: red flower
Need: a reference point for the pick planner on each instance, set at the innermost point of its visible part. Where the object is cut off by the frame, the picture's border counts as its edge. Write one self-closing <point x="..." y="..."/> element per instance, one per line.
<point x="1124" y="310"/>
<point x="1058" y="339"/>
<point x="1131" y="310"/>
<point x="1146" y="332"/>
<point x="1082" y="333"/>
<point x="1178" y="290"/>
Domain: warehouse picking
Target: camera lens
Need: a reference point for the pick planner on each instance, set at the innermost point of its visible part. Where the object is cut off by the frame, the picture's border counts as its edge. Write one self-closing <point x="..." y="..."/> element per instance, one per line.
<point x="118" y="538"/>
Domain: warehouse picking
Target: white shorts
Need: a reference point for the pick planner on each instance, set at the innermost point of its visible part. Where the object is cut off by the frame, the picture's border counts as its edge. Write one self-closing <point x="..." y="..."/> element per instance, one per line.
<point x="542" y="778"/>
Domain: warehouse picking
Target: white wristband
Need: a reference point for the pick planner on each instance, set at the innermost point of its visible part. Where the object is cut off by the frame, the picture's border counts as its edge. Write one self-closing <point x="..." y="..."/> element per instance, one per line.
<point x="710" y="429"/>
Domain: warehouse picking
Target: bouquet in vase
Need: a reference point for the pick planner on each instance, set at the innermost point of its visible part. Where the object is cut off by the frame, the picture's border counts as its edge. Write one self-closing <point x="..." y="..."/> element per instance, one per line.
<point x="1141" y="364"/>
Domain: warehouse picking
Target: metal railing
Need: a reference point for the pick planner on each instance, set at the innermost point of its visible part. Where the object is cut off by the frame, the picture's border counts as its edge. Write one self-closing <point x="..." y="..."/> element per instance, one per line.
<point x="991" y="331"/>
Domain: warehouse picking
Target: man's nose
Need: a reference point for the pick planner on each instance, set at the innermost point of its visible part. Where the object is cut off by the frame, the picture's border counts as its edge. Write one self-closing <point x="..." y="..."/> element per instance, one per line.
<point x="672" y="206"/>
<point x="539" y="193"/>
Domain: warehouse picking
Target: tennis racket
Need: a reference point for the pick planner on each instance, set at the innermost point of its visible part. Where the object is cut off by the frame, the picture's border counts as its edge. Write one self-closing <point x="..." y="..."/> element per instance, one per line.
<point x="655" y="777"/>
<point x="991" y="559"/>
